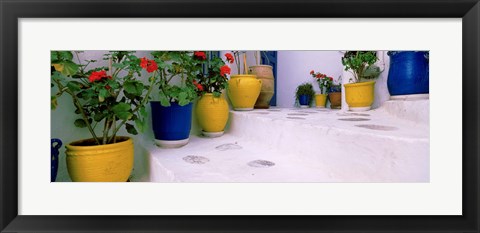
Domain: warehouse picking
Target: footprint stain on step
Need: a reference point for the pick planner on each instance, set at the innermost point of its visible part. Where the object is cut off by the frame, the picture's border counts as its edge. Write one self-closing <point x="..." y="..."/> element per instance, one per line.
<point x="353" y="114"/>
<point x="297" y="114"/>
<point x="193" y="159"/>
<point x="296" y="118"/>
<point x="353" y="119"/>
<point x="228" y="146"/>
<point x="261" y="163"/>
<point x="378" y="127"/>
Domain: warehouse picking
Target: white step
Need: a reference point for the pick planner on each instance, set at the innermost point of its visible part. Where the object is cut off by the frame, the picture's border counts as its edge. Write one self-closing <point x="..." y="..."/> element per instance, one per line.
<point x="301" y="145"/>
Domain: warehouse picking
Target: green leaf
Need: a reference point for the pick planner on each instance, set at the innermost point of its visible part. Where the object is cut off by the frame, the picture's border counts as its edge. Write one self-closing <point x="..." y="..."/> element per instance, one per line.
<point x="129" y="87"/>
<point x="122" y="110"/>
<point x="54" y="103"/>
<point x="80" y="123"/>
<point x="65" y="55"/>
<point x="69" y="68"/>
<point x="99" y="116"/>
<point x="143" y="112"/>
<point x="53" y="56"/>
<point x="103" y="93"/>
<point x="140" y="125"/>
<point x="74" y="86"/>
<point x="131" y="129"/>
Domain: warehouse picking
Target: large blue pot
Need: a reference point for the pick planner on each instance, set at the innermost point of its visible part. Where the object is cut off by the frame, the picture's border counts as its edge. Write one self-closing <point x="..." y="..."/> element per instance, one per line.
<point x="408" y="73"/>
<point x="304" y="100"/>
<point x="171" y="123"/>
<point x="55" y="145"/>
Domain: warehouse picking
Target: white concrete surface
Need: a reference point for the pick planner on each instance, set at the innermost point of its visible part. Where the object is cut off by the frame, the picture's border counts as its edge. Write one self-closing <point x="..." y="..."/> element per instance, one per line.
<point x="301" y="145"/>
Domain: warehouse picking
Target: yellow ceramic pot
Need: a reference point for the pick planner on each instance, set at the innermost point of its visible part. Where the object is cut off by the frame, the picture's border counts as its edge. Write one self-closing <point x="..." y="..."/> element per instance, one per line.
<point x="212" y="113"/>
<point x="100" y="163"/>
<point x="243" y="91"/>
<point x="359" y="96"/>
<point x="321" y="100"/>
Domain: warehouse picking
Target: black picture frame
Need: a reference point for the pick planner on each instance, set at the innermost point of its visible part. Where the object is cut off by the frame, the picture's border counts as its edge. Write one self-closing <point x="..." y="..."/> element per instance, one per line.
<point x="12" y="10"/>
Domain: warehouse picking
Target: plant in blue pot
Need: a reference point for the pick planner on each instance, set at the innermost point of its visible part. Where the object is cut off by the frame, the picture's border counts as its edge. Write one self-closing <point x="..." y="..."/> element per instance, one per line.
<point x="304" y="95"/>
<point x="55" y="145"/>
<point x="408" y="76"/>
<point x="172" y="113"/>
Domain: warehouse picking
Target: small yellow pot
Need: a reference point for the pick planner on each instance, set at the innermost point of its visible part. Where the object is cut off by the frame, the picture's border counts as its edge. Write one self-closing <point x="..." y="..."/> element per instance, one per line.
<point x="359" y="96"/>
<point x="243" y="91"/>
<point x="212" y="113"/>
<point x="321" y="100"/>
<point x="100" y="163"/>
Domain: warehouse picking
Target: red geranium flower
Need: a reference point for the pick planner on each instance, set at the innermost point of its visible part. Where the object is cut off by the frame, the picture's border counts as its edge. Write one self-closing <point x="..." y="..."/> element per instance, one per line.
<point x="312" y="72"/>
<point x="200" y="55"/>
<point x="331" y="79"/>
<point x="200" y="87"/>
<point x="319" y="75"/>
<point x="149" y="65"/>
<point x="224" y="70"/>
<point x="97" y="75"/>
<point x="143" y="62"/>
<point x="229" y="57"/>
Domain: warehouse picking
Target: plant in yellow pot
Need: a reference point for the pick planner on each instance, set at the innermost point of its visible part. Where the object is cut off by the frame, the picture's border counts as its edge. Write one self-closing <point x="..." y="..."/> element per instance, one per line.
<point x="243" y="89"/>
<point x="324" y="83"/>
<point x="360" y="94"/>
<point x="212" y="109"/>
<point x="111" y="96"/>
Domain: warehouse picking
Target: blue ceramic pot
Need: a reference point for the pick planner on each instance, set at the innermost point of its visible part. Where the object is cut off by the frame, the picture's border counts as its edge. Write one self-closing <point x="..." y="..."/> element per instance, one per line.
<point x="304" y="100"/>
<point x="408" y="73"/>
<point x="55" y="145"/>
<point x="171" y="123"/>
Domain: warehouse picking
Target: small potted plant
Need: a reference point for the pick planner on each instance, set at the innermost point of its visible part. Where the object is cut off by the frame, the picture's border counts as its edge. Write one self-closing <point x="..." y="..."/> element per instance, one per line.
<point x="360" y="94"/>
<point x="335" y="95"/>
<point x="243" y="88"/>
<point x="212" y="109"/>
<point x="172" y="113"/>
<point x="304" y="95"/>
<point x="324" y="83"/>
<point x="114" y="97"/>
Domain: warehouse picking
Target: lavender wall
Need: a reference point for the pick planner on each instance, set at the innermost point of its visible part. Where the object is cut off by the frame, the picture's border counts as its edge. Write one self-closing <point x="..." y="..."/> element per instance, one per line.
<point x="294" y="68"/>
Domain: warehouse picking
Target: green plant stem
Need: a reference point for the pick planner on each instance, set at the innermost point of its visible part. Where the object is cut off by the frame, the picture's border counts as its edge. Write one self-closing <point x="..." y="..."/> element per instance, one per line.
<point x="144" y="101"/>
<point x="80" y="107"/>
<point x="105" y="131"/>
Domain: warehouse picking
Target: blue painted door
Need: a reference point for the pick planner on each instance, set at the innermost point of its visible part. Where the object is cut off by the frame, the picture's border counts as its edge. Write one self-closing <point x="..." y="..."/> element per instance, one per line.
<point x="270" y="58"/>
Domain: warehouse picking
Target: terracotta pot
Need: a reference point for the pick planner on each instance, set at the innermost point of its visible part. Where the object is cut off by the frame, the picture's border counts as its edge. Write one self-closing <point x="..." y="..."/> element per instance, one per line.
<point x="243" y="91"/>
<point x="212" y="114"/>
<point x="87" y="162"/>
<point x="264" y="73"/>
<point x="335" y="100"/>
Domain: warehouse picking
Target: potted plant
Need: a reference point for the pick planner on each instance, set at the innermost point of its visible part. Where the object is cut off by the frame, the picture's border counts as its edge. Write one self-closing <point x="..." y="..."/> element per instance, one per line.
<point x="264" y="73"/>
<point x="243" y="88"/>
<point x="212" y="109"/>
<point x="172" y="113"/>
<point x="324" y="83"/>
<point x="304" y="95"/>
<point x="408" y="75"/>
<point x="335" y="96"/>
<point x="360" y="94"/>
<point x="113" y="97"/>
